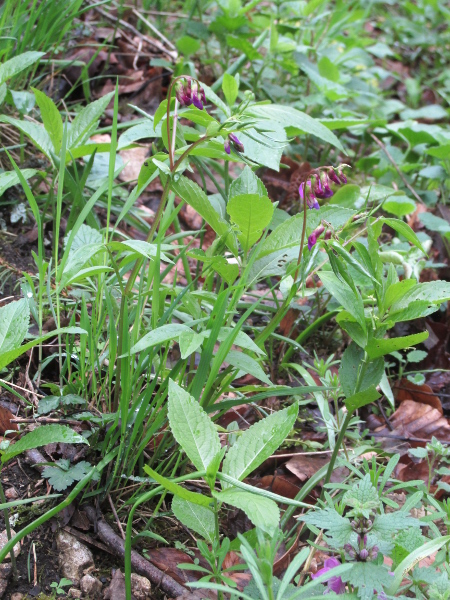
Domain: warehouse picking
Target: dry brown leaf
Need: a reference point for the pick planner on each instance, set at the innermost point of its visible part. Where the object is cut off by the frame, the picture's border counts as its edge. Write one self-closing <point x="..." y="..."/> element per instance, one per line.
<point x="414" y="420"/>
<point x="5" y="420"/>
<point x="418" y="393"/>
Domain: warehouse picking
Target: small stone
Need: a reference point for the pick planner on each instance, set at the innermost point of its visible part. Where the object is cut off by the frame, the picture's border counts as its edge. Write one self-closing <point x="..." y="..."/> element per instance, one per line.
<point x="140" y="587"/>
<point x="17" y="596"/>
<point x="91" y="586"/>
<point x="4" y="541"/>
<point x="74" y="558"/>
<point x="11" y="494"/>
<point x="74" y="593"/>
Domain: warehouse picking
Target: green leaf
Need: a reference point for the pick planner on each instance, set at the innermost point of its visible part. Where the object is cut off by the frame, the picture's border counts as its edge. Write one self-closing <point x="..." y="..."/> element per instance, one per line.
<point x="246" y="364"/>
<point x="195" y="517"/>
<point x="193" y="194"/>
<point x="86" y="121"/>
<point x="19" y="63"/>
<point x="10" y="178"/>
<point x="162" y="334"/>
<point x="290" y="117"/>
<point x="376" y="348"/>
<point x="404" y="230"/>
<point x="230" y="88"/>
<point x="262" y="512"/>
<point x="43" y="435"/>
<point x="399" y="205"/>
<point x="189" y="342"/>
<point x="351" y="364"/>
<point x="178" y="490"/>
<point x="328" y="518"/>
<point x="251" y="213"/>
<point x="388" y="524"/>
<point x="51" y="118"/>
<point x="191" y="427"/>
<point x="362" y="497"/>
<point x="348" y="298"/>
<point x="76" y="262"/>
<point x="35" y="132"/>
<point x="434" y="292"/>
<point x="259" y="442"/>
<point x="247" y="183"/>
<point x="413" y="559"/>
<point x="10" y="355"/>
<point x="367" y="578"/>
<point x="360" y="399"/>
<point x="14" y="323"/>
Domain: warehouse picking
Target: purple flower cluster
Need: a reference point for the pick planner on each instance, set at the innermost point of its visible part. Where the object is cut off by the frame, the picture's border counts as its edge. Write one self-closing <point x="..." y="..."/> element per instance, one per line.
<point x="234" y="141"/>
<point x="312" y="239"/>
<point x="190" y="92"/>
<point x="318" y="186"/>
<point x="334" y="584"/>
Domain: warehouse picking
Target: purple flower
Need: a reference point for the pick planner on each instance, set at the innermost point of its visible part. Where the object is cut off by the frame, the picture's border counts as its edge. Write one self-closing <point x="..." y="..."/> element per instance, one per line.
<point x="227" y="146"/>
<point x="335" y="584"/>
<point x="312" y="239"/>
<point x="188" y="93"/>
<point x="334" y="178"/>
<point x="305" y="189"/>
<point x="364" y="554"/>
<point x="322" y="188"/>
<point x="236" y="142"/>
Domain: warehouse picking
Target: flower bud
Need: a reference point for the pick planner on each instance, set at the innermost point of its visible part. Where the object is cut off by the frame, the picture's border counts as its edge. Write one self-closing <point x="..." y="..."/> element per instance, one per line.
<point x="312" y="239"/>
<point x="239" y="146"/>
<point x="333" y="177"/>
<point x="373" y="552"/>
<point x="364" y="554"/>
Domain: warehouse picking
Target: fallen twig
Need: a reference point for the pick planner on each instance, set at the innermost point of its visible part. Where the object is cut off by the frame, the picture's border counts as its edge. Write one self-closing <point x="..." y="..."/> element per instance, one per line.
<point x="140" y="564"/>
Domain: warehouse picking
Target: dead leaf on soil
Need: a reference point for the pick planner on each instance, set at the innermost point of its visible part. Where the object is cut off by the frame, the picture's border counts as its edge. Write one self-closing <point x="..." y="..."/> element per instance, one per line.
<point x="414" y="420"/>
<point x="5" y="421"/>
<point x="419" y="393"/>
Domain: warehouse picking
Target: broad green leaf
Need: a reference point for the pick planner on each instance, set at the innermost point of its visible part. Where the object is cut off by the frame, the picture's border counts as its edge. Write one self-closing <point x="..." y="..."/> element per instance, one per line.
<point x="399" y="205"/>
<point x="193" y="194"/>
<point x="348" y="298"/>
<point x="14" y="323"/>
<point x="10" y="178"/>
<point x="137" y="132"/>
<point x="242" y="340"/>
<point x="360" y="399"/>
<point x="84" y="236"/>
<point x="251" y="213"/>
<point x="439" y="152"/>
<point x="376" y="348"/>
<point x="246" y="364"/>
<point x="367" y="578"/>
<point x="192" y="428"/>
<point x="143" y="248"/>
<point x="347" y="195"/>
<point x="19" y="63"/>
<point x="328" y="518"/>
<point x="396" y="291"/>
<point x="290" y="117"/>
<point x="405" y="230"/>
<point x="198" y="518"/>
<point x="434" y="292"/>
<point x="178" y="490"/>
<point x="351" y="364"/>
<point x="51" y="118"/>
<point x="230" y="88"/>
<point x="77" y="260"/>
<point x="10" y="355"/>
<point x="262" y="512"/>
<point x="85" y="123"/>
<point x="247" y="183"/>
<point x="259" y="442"/>
<point x="41" y="436"/>
<point x="189" y="341"/>
<point x="265" y="147"/>
<point x="162" y="334"/>
<point x="34" y="131"/>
